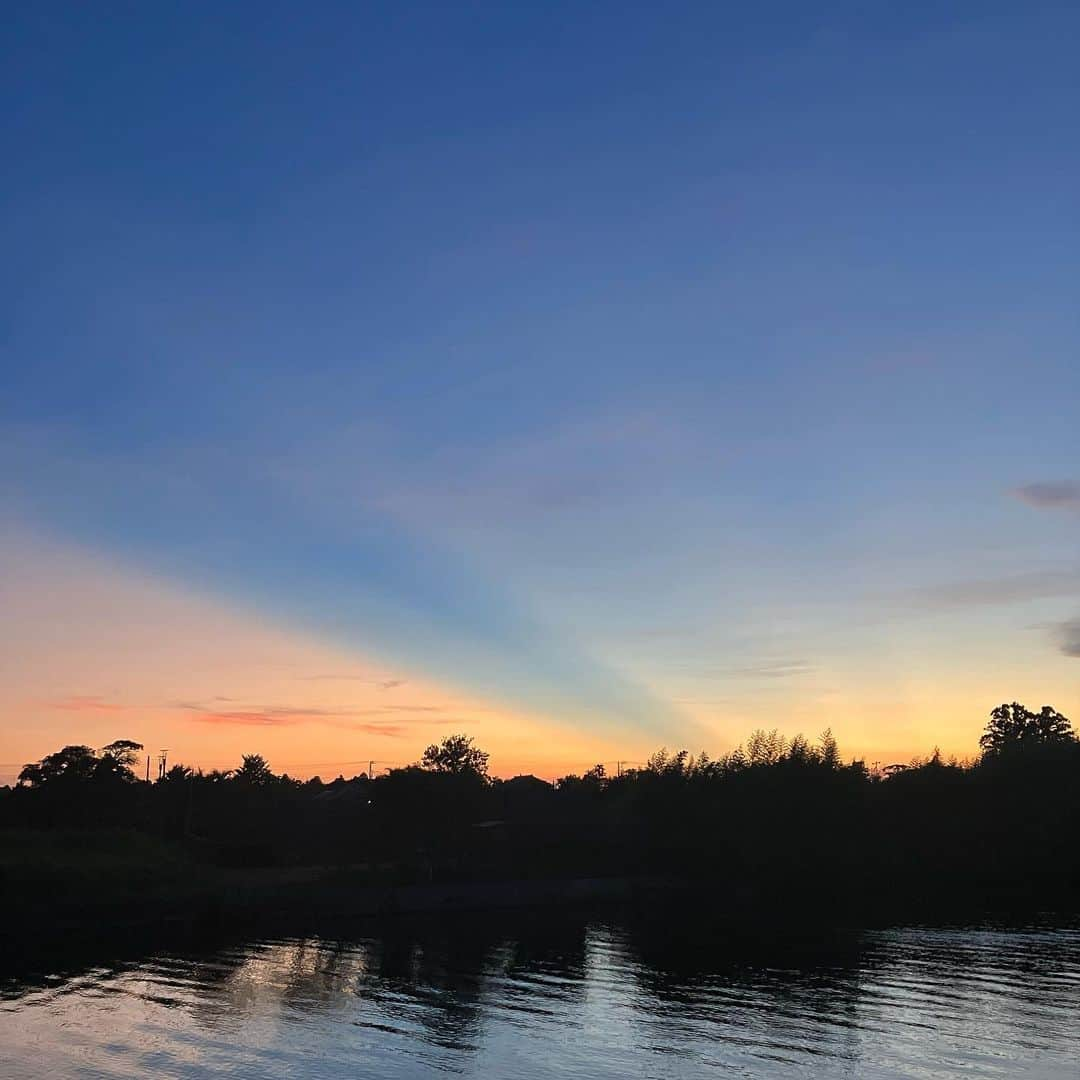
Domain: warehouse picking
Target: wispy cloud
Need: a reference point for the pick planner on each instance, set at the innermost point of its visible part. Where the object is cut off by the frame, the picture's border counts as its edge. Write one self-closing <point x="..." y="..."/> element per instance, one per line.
<point x="407" y="708"/>
<point x="288" y="715"/>
<point x="704" y="701"/>
<point x="1069" y="637"/>
<point x="273" y="717"/>
<point x="593" y="460"/>
<point x="775" y="669"/>
<point x="763" y="669"/>
<point x="1016" y="588"/>
<point x="86" y="703"/>
<point x="247" y="719"/>
<point x="391" y="731"/>
<point x="1064" y="495"/>
<point x="382" y="684"/>
<point x="280" y="717"/>
<point x="335" y="677"/>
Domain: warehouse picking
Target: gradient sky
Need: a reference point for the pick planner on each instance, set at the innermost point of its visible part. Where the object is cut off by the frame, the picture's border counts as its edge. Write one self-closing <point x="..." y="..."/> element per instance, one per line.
<point x="588" y="377"/>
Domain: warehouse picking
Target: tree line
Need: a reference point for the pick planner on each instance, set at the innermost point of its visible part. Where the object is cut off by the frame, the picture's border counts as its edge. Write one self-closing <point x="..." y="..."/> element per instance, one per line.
<point x="776" y="819"/>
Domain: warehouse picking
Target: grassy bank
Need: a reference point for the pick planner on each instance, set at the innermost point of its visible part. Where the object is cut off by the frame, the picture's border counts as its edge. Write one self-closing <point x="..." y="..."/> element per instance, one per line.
<point x="79" y="883"/>
<point x="75" y="880"/>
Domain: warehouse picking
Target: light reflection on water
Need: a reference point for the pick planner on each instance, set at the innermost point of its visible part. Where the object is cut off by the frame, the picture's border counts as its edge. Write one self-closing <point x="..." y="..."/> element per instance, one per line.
<point x="574" y="998"/>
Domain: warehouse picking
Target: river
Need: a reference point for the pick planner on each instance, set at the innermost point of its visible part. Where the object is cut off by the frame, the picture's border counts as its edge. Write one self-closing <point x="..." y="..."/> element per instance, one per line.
<point x="567" y="996"/>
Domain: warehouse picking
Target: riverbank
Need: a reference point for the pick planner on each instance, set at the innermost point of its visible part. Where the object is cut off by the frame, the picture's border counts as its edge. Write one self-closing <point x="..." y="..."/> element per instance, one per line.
<point x="68" y="884"/>
<point x="76" y="885"/>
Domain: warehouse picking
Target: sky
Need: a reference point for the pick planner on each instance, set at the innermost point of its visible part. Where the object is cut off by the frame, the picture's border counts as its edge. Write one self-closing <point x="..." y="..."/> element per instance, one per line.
<point x="588" y="378"/>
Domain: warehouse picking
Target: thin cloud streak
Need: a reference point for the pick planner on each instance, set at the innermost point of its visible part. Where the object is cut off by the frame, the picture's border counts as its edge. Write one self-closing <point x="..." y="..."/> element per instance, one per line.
<point x="86" y="703"/>
<point x="1017" y="588"/>
<point x="1069" y="638"/>
<point x="766" y="669"/>
<point x="289" y="715"/>
<point x="779" y="669"/>
<point x="294" y="717"/>
<point x="381" y="684"/>
<point x="256" y="718"/>
<point x="1064" y="495"/>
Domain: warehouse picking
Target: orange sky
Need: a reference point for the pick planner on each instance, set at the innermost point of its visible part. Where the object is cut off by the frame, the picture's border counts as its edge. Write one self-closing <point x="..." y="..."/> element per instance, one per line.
<point x="94" y="652"/>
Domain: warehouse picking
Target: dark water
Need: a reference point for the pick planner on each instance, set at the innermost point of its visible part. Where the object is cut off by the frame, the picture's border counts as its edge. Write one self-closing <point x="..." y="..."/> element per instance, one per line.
<point x="577" y="997"/>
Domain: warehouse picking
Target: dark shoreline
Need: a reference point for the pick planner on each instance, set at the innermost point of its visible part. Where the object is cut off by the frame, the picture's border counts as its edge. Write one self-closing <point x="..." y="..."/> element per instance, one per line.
<point x="230" y="898"/>
<point x="288" y="900"/>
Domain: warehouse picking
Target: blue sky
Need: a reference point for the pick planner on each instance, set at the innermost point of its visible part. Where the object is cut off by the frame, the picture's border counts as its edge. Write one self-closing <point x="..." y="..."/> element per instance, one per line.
<point x="665" y="369"/>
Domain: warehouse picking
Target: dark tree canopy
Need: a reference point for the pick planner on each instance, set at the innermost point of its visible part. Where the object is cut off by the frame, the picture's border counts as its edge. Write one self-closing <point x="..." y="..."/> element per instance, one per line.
<point x="177" y="774"/>
<point x="1013" y="726"/>
<point x="70" y="763"/>
<point x="456" y="754"/>
<point x="124" y="752"/>
<point x="80" y="764"/>
<point x="785" y="817"/>
<point x="255" y="769"/>
<point x="117" y="760"/>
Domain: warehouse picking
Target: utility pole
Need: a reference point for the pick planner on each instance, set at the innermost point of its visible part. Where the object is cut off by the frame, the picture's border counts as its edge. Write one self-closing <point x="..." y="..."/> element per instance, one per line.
<point x="148" y="768"/>
<point x="162" y="757"/>
<point x="190" y="803"/>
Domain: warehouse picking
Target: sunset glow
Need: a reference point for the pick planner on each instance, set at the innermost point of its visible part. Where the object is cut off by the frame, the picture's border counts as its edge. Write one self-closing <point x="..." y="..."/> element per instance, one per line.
<point x="623" y="396"/>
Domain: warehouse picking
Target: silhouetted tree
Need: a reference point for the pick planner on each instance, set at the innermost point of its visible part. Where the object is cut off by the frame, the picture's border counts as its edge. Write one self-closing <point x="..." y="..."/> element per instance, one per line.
<point x="72" y="763"/>
<point x="177" y="774"/>
<point x="663" y="763"/>
<point x="765" y="747"/>
<point x="80" y="764"/>
<point x="456" y="754"/>
<point x="125" y="752"/>
<point x="800" y="752"/>
<point x="780" y="817"/>
<point x="830" y="750"/>
<point x="116" y="760"/>
<point x="255" y="770"/>
<point x="1013" y="726"/>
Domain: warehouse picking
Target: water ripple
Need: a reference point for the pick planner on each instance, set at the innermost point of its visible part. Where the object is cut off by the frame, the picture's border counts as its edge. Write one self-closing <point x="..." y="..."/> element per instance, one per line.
<point x="574" y="999"/>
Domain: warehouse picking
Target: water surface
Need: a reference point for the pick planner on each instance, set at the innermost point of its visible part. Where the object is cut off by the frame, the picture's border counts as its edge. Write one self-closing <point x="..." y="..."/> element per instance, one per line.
<point x="572" y="997"/>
